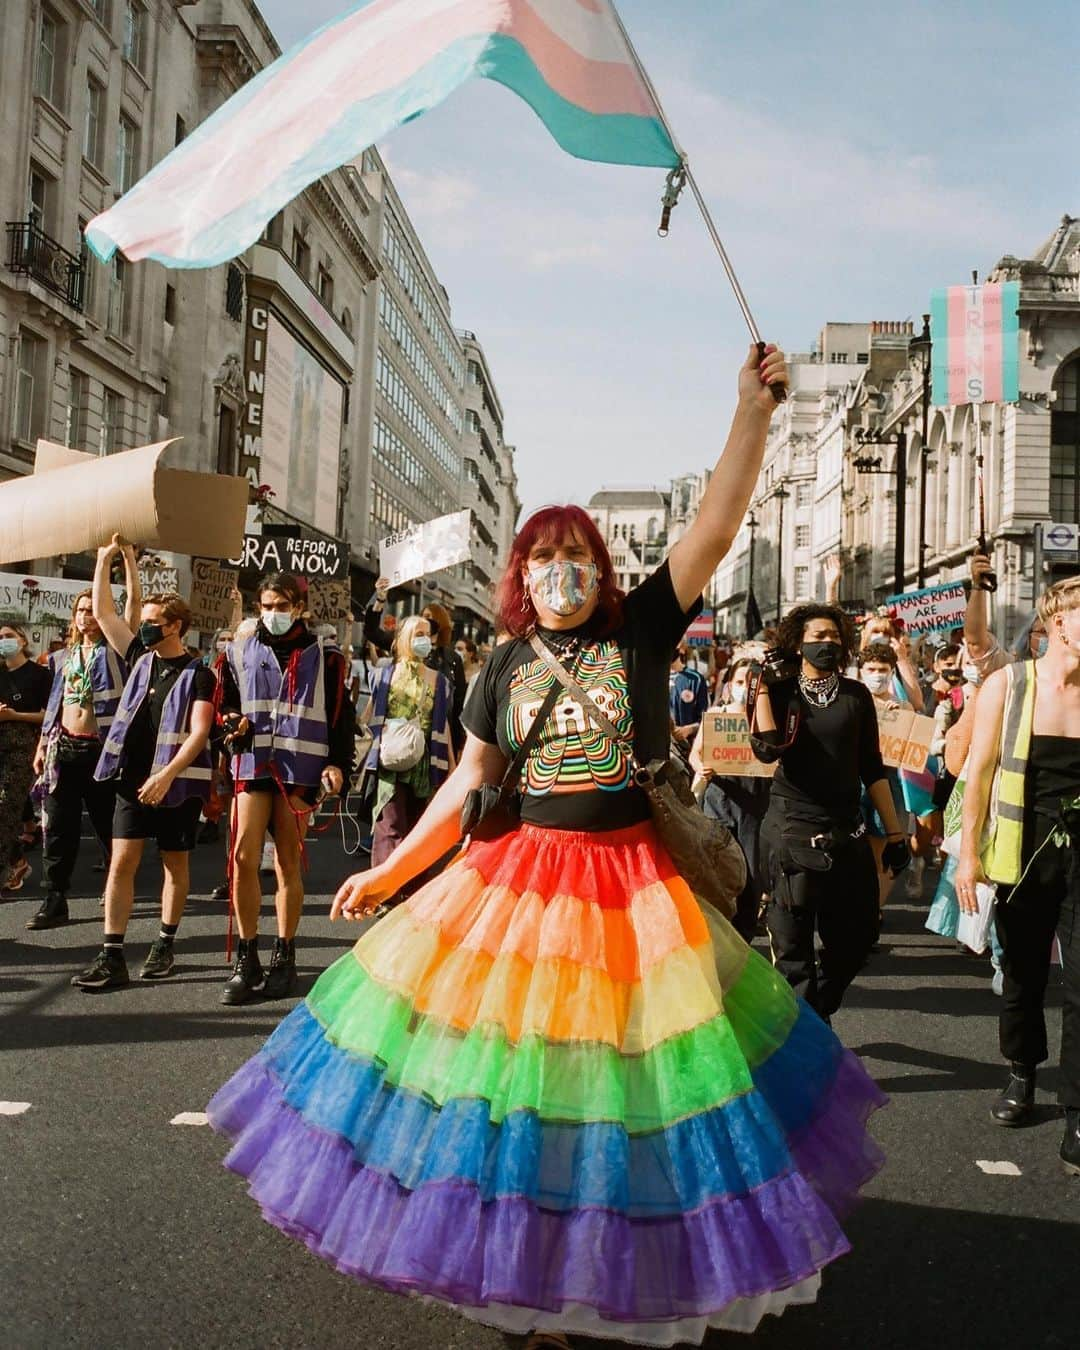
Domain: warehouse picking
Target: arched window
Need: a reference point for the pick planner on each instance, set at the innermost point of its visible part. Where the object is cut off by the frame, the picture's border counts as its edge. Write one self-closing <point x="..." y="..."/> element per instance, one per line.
<point x="1065" y="444"/>
<point x="652" y="529"/>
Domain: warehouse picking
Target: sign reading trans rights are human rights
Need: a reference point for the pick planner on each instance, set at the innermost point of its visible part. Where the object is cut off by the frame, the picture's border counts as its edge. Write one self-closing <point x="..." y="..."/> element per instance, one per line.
<point x="938" y="609"/>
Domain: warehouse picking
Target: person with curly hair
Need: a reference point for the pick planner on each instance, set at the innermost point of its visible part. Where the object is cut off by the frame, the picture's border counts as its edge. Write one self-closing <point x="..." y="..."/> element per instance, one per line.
<point x="817" y="859"/>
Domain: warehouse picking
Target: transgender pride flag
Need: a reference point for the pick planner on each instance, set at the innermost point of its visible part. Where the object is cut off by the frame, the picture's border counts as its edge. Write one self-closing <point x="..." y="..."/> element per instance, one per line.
<point x="975" y="331"/>
<point x="352" y="82"/>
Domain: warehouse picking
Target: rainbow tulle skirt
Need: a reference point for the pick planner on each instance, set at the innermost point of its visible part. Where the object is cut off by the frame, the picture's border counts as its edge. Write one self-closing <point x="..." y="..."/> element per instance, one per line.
<point x="552" y="1091"/>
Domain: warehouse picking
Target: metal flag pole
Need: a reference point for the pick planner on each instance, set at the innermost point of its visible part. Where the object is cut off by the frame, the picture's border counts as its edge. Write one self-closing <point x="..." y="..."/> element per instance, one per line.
<point x="676" y="180"/>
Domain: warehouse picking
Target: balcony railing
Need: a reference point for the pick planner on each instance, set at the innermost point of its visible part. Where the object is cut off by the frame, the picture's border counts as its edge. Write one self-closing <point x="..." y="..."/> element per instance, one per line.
<point x="33" y="253"/>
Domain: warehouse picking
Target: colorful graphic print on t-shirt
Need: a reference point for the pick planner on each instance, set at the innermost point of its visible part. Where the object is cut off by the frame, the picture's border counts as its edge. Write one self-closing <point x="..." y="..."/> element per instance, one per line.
<point x="573" y="754"/>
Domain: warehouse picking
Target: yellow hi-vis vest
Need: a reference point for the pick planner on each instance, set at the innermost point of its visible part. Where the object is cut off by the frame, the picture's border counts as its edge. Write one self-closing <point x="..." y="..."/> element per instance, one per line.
<point x="1001" y="857"/>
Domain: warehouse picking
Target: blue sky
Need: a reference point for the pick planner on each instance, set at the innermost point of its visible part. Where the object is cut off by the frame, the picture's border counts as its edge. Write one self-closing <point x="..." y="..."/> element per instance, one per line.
<point x="854" y="156"/>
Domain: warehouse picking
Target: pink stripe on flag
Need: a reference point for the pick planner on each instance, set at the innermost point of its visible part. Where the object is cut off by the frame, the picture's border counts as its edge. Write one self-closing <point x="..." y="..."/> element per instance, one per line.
<point x="957" y="354"/>
<point x="993" y="385"/>
<point x="368" y="53"/>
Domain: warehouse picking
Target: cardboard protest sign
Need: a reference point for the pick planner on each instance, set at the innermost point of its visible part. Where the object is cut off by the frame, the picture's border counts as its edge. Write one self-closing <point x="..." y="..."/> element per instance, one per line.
<point x="905" y="737"/>
<point x="45" y="601"/>
<point x="326" y="559"/>
<point x="425" y="548"/>
<point x="213" y="602"/>
<point x="73" y="502"/>
<point x="158" y="580"/>
<point x="938" y="609"/>
<point x="726" y="747"/>
<point x="329" y="601"/>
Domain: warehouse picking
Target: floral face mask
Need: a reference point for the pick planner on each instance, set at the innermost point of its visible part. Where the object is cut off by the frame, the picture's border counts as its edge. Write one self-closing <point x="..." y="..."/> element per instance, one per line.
<point x="563" y="587"/>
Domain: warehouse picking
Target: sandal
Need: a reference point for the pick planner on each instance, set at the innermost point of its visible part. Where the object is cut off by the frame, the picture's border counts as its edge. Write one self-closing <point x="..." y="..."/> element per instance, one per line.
<point x="19" y="873"/>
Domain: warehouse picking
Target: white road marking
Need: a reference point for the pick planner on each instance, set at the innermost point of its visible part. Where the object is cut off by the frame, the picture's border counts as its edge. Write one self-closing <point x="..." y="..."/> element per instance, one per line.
<point x="191" y="1118"/>
<point x="13" y="1108"/>
<point x="997" y="1169"/>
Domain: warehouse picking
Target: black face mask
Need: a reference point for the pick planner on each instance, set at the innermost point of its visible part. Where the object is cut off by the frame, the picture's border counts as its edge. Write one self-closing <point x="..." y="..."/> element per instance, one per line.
<point x="952" y="676"/>
<point x="150" y="634"/>
<point x="823" y="655"/>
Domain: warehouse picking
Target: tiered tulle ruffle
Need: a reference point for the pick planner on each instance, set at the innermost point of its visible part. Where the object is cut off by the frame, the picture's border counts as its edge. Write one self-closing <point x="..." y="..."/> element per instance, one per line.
<point x="552" y="1091"/>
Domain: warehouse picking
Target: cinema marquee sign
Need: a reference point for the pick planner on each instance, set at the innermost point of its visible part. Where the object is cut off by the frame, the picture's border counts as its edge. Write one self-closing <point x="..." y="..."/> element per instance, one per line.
<point x="255" y="385"/>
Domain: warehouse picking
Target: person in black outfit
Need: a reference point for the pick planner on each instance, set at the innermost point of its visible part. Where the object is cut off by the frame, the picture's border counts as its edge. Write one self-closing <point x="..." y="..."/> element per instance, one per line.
<point x="141" y="791"/>
<point x="443" y="658"/>
<point x="817" y="860"/>
<point x="24" y="694"/>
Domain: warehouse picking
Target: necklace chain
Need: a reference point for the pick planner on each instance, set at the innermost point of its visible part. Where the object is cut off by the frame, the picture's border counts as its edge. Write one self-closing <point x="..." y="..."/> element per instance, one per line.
<point x="820" y="692"/>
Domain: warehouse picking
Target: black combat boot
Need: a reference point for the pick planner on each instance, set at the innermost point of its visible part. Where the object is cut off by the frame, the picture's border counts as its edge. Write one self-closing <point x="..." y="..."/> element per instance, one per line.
<point x="1016" y="1103"/>
<point x="247" y="977"/>
<point x="53" y="912"/>
<point x="1070" y="1142"/>
<point x="281" y="978"/>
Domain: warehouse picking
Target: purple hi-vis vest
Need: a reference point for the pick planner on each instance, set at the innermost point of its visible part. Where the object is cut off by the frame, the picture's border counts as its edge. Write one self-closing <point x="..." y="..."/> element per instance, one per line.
<point x="439" y="737"/>
<point x="288" y="728"/>
<point x="107" y="673"/>
<point x="194" y="781"/>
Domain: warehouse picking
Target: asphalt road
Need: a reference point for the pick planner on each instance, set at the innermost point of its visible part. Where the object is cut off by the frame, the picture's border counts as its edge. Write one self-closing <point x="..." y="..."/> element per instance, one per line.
<point x="122" y="1230"/>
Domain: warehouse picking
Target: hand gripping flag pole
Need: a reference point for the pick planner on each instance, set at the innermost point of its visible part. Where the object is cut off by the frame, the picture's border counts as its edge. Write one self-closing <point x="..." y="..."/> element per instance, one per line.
<point x="681" y="177"/>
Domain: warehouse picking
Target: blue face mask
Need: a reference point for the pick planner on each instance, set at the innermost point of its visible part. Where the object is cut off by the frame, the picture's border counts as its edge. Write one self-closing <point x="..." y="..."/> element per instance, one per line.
<point x="8" y="647"/>
<point x="1042" y="645"/>
<point x="421" y="647"/>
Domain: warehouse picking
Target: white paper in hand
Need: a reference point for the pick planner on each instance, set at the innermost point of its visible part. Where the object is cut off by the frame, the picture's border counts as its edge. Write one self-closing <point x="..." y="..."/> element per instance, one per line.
<point x="974" y="929"/>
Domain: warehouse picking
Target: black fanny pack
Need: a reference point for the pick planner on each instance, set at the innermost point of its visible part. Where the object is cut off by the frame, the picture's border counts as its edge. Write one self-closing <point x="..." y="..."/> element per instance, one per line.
<point x="70" y="749"/>
<point x="809" y="847"/>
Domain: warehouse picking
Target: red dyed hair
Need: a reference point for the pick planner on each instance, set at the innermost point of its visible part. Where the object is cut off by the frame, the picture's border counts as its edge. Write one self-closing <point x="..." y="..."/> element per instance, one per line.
<point x="514" y="607"/>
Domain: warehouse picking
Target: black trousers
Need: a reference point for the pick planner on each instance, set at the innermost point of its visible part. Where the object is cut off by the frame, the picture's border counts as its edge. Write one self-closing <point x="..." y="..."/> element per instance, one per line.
<point x="841" y="905"/>
<point x="1028" y="917"/>
<point x="63" y="817"/>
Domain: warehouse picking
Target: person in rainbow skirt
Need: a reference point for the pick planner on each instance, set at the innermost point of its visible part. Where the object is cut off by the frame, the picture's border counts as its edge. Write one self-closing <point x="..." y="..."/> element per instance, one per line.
<point x="552" y="1089"/>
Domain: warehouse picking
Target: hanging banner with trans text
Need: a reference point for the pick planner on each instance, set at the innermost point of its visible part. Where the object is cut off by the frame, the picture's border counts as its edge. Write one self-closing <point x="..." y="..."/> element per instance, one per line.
<point x="975" y="331"/>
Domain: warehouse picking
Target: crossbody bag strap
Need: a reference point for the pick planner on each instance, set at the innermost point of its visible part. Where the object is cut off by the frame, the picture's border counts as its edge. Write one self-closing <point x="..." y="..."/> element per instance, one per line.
<point x="588" y="706"/>
<point x="513" y="772"/>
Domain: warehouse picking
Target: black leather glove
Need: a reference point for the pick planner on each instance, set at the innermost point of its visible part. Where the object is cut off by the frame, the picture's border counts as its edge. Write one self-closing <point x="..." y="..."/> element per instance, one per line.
<point x="895" y="856"/>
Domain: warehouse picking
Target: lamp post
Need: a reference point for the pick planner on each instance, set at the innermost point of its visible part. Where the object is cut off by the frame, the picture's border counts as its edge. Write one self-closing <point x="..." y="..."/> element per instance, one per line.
<point x="752" y="524"/>
<point x="781" y="494"/>
<point x="922" y="347"/>
<point x="864" y="464"/>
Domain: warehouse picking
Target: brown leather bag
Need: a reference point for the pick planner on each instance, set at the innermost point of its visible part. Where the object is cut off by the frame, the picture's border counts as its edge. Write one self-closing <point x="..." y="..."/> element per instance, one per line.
<point x="705" y="852"/>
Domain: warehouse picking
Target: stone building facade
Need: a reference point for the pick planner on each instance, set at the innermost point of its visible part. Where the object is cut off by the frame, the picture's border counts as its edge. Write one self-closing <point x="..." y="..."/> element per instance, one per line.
<point x="844" y="410"/>
<point x="634" y="523"/>
<point x="490" y="490"/>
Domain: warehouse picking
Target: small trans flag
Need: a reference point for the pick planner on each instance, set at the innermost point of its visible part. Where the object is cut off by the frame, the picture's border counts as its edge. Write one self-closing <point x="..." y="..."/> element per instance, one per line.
<point x="975" y="332"/>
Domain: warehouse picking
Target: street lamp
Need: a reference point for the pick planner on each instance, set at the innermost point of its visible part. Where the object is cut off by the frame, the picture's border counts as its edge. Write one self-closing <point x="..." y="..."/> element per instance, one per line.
<point x="866" y="464"/>
<point x="781" y="494"/>
<point x="922" y="347"/>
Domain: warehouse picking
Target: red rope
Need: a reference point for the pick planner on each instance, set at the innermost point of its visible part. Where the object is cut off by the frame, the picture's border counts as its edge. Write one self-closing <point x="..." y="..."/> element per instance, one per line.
<point x="230" y="876"/>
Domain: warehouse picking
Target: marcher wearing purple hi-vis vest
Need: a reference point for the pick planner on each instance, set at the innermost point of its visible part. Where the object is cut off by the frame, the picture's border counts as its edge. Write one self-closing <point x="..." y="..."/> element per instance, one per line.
<point x="289" y="726"/>
<point x="88" y="679"/>
<point x="156" y="753"/>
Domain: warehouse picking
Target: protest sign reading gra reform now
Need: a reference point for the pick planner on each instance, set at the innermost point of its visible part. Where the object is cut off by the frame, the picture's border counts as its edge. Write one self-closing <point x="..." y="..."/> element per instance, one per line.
<point x="938" y="609"/>
<point x="905" y="737"/>
<point x="327" y="559"/>
<point x="726" y="747"/>
<point x="425" y="548"/>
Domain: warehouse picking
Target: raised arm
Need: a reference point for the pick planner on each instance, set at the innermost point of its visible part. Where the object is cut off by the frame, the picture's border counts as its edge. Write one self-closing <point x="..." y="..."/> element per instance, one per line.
<point x="701" y="549"/>
<point x="132" y="587"/>
<point x="978" y="639"/>
<point x="117" y="632"/>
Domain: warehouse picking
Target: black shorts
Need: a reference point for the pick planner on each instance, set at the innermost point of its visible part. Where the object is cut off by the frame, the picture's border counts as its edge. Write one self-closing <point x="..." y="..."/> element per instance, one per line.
<point x="173" y="827"/>
<point x="308" y="794"/>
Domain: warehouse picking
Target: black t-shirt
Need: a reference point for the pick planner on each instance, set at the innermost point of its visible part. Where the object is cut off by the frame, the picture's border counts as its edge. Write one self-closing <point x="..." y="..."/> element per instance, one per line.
<point x="836" y="752"/>
<point x="142" y="737"/>
<point x="575" y="779"/>
<point x="27" y="688"/>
